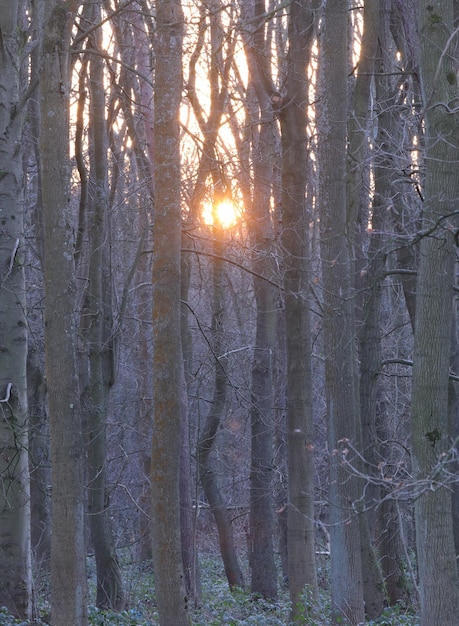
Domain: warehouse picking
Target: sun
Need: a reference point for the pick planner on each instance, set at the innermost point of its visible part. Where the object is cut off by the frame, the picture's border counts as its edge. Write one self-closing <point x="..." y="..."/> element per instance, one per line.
<point x="224" y="213"/>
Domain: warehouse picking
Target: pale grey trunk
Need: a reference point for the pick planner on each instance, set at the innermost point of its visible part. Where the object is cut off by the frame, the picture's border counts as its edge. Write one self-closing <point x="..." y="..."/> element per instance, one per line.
<point x="453" y="384"/>
<point x="367" y="305"/>
<point x="188" y="513"/>
<point x="15" y="556"/>
<point x="295" y="239"/>
<point x="339" y="340"/>
<point x="375" y="422"/>
<point x="131" y="30"/>
<point x="399" y="144"/>
<point x="98" y="322"/>
<point x="264" y="147"/>
<point x="39" y="463"/>
<point x="438" y="578"/>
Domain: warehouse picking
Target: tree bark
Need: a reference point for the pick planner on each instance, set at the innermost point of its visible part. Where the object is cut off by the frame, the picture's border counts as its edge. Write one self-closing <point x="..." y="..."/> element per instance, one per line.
<point x="438" y="578"/>
<point x="214" y="417"/>
<point x="98" y="327"/>
<point x="68" y="573"/>
<point x="340" y="358"/>
<point x="369" y="277"/>
<point x="261" y="549"/>
<point x="15" y="554"/>
<point x="262" y="239"/>
<point x="261" y="233"/>
<point x="39" y="463"/>
<point x="376" y="426"/>
<point x="171" y="598"/>
<point x="295" y="240"/>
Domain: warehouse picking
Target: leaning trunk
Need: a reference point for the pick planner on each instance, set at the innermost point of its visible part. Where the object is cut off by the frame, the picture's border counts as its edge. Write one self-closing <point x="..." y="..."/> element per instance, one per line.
<point x="207" y="438"/>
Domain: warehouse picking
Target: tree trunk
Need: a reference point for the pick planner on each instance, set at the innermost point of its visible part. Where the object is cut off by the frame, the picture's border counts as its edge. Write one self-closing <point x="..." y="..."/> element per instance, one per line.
<point x="187" y="512"/>
<point x="261" y="549"/>
<point x="15" y="555"/>
<point x="167" y="352"/>
<point x="367" y="274"/>
<point x="68" y="572"/>
<point x="295" y="239"/>
<point x="453" y="384"/>
<point x="406" y="37"/>
<point x="438" y="578"/>
<point x="214" y="417"/>
<point x="261" y="233"/>
<point x="210" y="16"/>
<point x="262" y="240"/>
<point x="98" y="322"/>
<point x="39" y="464"/>
<point x="340" y="358"/>
<point x="375" y="421"/>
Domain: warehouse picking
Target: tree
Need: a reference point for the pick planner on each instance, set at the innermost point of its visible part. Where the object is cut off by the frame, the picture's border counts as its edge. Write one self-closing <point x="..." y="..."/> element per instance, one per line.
<point x="261" y="549"/>
<point x="97" y="330"/>
<point x="438" y="579"/>
<point x="167" y="351"/>
<point x="358" y="205"/>
<point x="15" y="555"/>
<point x="378" y="436"/>
<point x="131" y="167"/>
<point x="68" y="571"/>
<point x="209" y="166"/>
<point x="262" y="241"/>
<point x="339" y="331"/>
<point x="213" y="422"/>
<point x="295" y="239"/>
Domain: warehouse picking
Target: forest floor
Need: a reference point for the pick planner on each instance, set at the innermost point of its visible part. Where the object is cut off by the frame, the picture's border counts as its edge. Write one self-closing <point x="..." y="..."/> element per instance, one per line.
<point x="218" y="606"/>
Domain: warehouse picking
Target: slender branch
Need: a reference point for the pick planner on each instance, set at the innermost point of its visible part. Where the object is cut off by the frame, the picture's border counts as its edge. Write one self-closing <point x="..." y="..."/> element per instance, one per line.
<point x="235" y="263"/>
<point x="437" y="72"/>
<point x="409" y="363"/>
<point x="109" y="57"/>
<point x="94" y="27"/>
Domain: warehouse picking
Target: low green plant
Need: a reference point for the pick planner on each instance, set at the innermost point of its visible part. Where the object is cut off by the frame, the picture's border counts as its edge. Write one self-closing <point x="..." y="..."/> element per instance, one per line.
<point x="8" y="620"/>
<point x="397" y="615"/>
<point x="218" y="605"/>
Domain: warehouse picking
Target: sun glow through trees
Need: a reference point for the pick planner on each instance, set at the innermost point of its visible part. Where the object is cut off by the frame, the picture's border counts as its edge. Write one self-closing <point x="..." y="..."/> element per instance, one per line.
<point x="224" y="213"/>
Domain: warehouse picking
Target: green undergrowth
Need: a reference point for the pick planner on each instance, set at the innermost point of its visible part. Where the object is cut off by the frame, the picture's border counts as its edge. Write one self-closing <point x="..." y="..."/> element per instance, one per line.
<point x="218" y="606"/>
